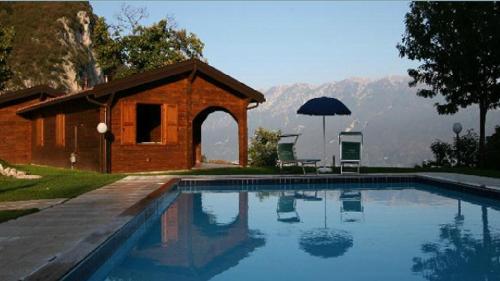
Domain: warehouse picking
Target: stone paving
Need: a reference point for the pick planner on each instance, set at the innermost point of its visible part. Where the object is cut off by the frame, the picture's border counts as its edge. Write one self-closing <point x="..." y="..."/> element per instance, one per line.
<point x="30" y="242"/>
<point x="30" y="204"/>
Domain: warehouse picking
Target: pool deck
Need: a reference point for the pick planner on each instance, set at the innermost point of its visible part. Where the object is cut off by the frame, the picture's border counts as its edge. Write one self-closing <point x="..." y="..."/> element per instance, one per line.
<point x="32" y="242"/>
<point x="490" y="183"/>
<point x="30" y="204"/>
<point x="30" y="246"/>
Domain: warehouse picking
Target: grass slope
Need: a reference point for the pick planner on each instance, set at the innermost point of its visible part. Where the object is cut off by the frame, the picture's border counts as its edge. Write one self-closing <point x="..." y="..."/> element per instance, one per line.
<point x="55" y="183"/>
<point x="13" y="214"/>
<point x="365" y="170"/>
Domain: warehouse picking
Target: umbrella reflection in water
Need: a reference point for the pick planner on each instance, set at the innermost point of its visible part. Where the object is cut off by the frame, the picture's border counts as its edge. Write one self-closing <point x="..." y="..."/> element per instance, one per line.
<point x="326" y="242"/>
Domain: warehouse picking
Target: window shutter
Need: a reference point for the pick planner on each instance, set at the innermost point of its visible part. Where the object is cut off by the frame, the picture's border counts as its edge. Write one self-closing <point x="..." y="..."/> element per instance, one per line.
<point x="60" y="129"/>
<point x="170" y="124"/>
<point x="128" y="122"/>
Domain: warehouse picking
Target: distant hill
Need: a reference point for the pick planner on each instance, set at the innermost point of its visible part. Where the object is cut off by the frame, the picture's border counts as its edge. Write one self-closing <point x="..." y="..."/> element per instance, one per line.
<point x="52" y="44"/>
<point x="398" y="125"/>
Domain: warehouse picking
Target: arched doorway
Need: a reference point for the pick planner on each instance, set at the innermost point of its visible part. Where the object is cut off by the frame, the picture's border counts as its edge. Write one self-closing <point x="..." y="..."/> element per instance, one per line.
<point x="198" y="121"/>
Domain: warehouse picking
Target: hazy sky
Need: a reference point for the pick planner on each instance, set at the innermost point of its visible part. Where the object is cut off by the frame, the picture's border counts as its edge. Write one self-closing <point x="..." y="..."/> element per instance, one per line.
<point x="272" y="43"/>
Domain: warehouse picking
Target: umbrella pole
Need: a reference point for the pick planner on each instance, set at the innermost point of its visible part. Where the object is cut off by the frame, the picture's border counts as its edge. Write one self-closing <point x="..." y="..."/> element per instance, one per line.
<point x="324" y="143"/>
<point x="325" y="208"/>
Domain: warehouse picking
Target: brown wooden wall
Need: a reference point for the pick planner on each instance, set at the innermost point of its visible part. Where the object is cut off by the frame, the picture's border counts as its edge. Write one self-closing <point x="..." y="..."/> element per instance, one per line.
<point x="204" y="96"/>
<point x="79" y="115"/>
<point x="15" y="133"/>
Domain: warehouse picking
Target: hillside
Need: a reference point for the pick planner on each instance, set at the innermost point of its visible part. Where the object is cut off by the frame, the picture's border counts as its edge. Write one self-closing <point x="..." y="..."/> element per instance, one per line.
<point x="52" y="44"/>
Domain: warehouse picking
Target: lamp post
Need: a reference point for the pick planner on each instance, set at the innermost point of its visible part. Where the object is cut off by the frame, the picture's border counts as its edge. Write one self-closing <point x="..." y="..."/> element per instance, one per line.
<point x="457" y="128"/>
<point x="102" y="128"/>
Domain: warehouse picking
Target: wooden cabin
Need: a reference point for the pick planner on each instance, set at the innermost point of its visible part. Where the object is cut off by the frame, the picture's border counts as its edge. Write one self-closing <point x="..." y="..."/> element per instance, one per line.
<point x="153" y="121"/>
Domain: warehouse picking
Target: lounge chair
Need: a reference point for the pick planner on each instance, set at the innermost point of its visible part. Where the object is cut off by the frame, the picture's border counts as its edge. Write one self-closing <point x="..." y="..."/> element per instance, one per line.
<point x="351" y="150"/>
<point x="351" y="206"/>
<point x="286" y="209"/>
<point x="303" y="195"/>
<point x="287" y="156"/>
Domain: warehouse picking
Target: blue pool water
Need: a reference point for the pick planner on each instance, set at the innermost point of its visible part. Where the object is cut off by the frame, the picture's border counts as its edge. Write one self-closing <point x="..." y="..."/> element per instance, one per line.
<point x="334" y="232"/>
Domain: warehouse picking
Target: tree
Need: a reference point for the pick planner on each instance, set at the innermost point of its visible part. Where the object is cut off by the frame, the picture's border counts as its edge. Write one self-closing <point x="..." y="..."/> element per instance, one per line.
<point x="107" y="49"/>
<point x="130" y="47"/>
<point x="493" y="149"/>
<point x="130" y="17"/>
<point x="458" y="44"/>
<point x="263" y="148"/>
<point x="158" y="45"/>
<point x="6" y="38"/>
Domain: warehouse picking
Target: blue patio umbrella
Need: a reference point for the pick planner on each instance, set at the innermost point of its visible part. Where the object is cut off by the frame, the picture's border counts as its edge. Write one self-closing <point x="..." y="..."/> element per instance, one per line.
<point x="324" y="106"/>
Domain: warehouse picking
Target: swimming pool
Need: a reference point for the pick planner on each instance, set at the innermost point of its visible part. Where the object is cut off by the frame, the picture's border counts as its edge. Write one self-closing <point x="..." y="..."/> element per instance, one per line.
<point x="362" y="231"/>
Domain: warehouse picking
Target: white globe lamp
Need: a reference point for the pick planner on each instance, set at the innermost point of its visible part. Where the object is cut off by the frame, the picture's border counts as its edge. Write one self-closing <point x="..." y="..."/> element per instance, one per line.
<point x="457" y="128"/>
<point x="102" y="128"/>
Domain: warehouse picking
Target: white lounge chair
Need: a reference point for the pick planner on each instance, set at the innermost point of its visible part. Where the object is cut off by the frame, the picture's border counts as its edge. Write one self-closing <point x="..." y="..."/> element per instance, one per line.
<point x="351" y="150"/>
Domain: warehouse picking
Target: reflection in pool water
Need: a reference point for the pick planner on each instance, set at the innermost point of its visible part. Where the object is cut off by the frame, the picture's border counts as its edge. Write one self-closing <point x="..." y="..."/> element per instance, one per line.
<point x="419" y="233"/>
<point x="458" y="255"/>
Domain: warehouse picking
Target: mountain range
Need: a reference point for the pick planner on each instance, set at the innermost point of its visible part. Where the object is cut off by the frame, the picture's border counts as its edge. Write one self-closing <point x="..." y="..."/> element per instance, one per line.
<point x="398" y="126"/>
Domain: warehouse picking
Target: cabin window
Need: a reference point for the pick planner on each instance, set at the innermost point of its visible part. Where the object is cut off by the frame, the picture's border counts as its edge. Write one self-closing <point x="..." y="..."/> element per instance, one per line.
<point x="39" y="131"/>
<point x="144" y="123"/>
<point x="60" y="130"/>
<point x="148" y="122"/>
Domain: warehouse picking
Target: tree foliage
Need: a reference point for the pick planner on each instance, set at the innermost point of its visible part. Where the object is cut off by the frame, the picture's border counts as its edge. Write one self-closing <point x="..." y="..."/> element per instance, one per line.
<point x="459" y="255"/>
<point x="6" y="38"/>
<point x="108" y="51"/>
<point x="458" y="45"/>
<point x="263" y="148"/>
<point x="120" y="54"/>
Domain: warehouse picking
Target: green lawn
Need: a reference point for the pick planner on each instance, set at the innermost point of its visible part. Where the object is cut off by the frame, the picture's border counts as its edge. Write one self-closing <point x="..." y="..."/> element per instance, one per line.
<point x="374" y="170"/>
<point x="13" y="214"/>
<point x="55" y="183"/>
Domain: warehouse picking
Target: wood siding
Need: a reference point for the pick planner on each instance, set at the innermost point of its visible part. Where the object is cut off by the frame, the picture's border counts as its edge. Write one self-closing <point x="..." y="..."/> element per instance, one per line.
<point x="60" y="129"/>
<point x="15" y="133"/>
<point x="78" y="134"/>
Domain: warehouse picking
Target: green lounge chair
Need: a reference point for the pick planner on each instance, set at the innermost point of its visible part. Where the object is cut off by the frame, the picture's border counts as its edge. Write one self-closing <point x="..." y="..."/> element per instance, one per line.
<point x="286" y="209"/>
<point x="287" y="156"/>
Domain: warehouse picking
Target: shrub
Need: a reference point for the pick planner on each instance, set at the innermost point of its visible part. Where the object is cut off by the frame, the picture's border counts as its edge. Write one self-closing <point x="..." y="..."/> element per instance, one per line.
<point x="466" y="149"/>
<point x="463" y="153"/>
<point x="442" y="152"/>
<point x="263" y="148"/>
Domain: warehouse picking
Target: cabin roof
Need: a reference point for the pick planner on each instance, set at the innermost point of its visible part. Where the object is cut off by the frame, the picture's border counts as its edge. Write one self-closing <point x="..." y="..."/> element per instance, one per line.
<point x="150" y="76"/>
<point x="13" y="96"/>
